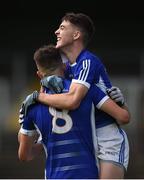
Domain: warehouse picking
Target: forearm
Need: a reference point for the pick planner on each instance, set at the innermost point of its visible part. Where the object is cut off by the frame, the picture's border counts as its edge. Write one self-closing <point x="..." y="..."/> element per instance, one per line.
<point x="123" y="118"/>
<point x="125" y="107"/>
<point x="28" y="149"/>
<point x="70" y="100"/>
<point x="61" y="101"/>
<point x="121" y="115"/>
<point x="36" y="150"/>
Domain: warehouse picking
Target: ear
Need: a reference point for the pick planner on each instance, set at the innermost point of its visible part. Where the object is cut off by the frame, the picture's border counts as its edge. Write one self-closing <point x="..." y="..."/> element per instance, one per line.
<point x="40" y="75"/>
<point x="76" y="35"/>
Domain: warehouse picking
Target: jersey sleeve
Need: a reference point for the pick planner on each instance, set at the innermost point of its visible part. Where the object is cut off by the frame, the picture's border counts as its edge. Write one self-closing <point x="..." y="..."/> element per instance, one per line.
<point x="27" y="126"/>
<point x="98" y="96"/>
<point x="85" y="72"/>
<point x="102" y="78"/>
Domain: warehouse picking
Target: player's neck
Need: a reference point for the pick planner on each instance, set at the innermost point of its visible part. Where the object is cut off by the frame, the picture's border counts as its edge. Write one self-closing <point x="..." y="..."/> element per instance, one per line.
<point x="59" y="72"/>
<point x="72" y="52"/>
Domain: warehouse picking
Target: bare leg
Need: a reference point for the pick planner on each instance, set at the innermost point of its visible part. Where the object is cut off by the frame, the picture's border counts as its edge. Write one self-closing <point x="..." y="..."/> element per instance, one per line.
<point x="109" y="170"/>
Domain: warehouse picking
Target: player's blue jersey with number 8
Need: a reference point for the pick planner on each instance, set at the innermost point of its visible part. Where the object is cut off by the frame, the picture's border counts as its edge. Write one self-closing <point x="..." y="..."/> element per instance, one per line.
<point x="69" y="137"/>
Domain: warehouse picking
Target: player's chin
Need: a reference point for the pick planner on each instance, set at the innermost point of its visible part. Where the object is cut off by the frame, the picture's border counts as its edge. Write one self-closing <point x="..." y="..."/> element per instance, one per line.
<point x="58" y="45"/>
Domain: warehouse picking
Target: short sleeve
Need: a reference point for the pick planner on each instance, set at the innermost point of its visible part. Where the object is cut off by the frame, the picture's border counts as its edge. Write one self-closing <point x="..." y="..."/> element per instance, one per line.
<point x="28" y="127"/>
<point x="85" y="72"/>
<point x="98" y="96"/>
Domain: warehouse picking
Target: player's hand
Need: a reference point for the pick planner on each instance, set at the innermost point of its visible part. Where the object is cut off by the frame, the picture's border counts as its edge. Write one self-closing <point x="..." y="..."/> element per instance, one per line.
<point x="116" y="94"/>
<point x="30" y="99"/>
<point x="53" y="83"/>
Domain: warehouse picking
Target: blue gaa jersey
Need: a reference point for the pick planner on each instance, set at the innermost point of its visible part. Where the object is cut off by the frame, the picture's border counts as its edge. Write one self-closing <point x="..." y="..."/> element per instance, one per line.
<point x="68" y="137"/>
<point x="88" y="69"/>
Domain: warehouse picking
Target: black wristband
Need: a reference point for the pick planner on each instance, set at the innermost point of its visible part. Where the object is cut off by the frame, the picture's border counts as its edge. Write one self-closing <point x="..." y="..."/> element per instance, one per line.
<point x="120" y="104"/>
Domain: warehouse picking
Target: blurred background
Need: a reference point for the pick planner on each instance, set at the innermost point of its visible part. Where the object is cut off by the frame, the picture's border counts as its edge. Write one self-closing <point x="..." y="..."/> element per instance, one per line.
<point x="119" y="42"/>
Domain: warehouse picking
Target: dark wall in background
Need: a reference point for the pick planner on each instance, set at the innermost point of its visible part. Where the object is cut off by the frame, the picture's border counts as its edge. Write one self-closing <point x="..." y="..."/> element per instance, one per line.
<point x="28" y="24"/>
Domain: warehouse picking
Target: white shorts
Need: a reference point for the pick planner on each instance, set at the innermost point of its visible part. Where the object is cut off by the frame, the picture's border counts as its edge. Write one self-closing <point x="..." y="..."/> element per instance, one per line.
<point x="113" y="145"/>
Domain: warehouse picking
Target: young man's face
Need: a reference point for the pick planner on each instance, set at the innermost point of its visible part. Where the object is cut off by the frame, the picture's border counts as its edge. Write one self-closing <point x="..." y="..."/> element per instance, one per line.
<point x="65" y="34"/>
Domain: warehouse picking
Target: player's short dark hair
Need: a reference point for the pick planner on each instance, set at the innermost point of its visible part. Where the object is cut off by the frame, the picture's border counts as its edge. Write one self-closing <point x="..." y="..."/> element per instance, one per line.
<point x="48" y="57"/>
<point x="83" y="22"/>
